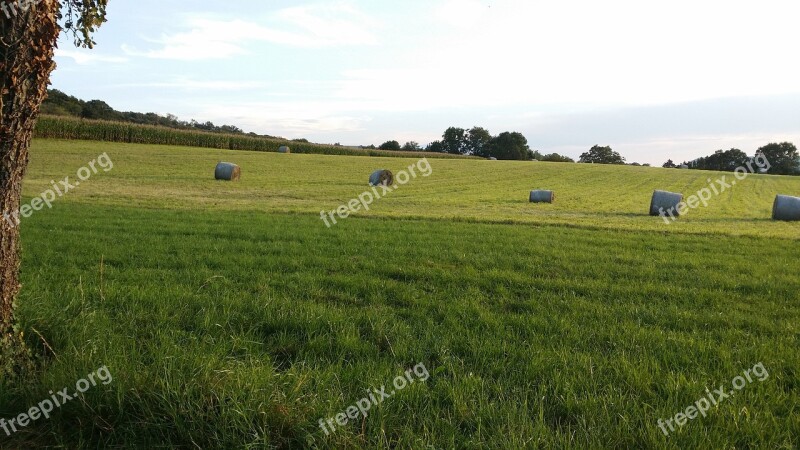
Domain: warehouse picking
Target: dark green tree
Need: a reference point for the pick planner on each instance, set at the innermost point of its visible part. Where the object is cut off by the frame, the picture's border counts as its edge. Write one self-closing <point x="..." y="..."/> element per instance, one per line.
<point x="602" y="155"/>
<point x="436" y="147"/>
<point x="555" y="157"/>
<point x="509" y="145"/>
<point x="455" y="141"/>
<point x="782" y="158"/>
<point x="477" y="142"/>
<point x="411" y="146"/>
<point x="389" y="145"/>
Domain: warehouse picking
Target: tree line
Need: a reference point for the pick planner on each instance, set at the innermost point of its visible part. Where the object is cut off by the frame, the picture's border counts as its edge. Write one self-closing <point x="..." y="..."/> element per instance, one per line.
<point x="783" y="158"/>
<point x="478" y="141"/>
<point x="61" y="104"/>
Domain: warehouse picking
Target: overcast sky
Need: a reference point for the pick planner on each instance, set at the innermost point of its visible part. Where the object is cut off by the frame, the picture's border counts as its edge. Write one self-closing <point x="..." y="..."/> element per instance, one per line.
<point x="675" y="80"/>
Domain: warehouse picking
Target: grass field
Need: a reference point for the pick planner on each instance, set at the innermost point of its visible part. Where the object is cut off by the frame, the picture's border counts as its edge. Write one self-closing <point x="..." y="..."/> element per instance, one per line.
<point x="230" y="316"/>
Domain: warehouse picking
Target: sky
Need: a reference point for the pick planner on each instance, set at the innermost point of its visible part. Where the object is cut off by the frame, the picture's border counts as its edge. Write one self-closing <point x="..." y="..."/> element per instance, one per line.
<point x="653" y="80"/>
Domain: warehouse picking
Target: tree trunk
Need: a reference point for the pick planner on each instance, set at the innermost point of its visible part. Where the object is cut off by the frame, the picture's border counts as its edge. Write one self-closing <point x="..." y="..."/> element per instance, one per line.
<point x="27" y="41"/>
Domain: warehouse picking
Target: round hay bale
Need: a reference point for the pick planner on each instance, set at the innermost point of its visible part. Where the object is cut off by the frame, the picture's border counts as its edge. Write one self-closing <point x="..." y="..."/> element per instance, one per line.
<point x="668" y="201"/>
<point x="492" y="158"/>
<point x="786" y="208"/>
<point x="381" y="177"/>
<point x="542" y="197"/>
<point x="227" y="172"/>
<point x="284" y="149"/>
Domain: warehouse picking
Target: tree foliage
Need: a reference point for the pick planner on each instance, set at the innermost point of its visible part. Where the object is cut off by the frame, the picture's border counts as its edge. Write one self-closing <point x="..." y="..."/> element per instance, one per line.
<point x="783" y="158"/>
<point x="722" y="160"/>
<point x="509" y="145"/>
<point x="61" y="104"/>
<point x="389" y="145"/>
<point x="555" y="157"/>
<point x="411" y="146"/>
<point x="602" y="155"/>
<point x="478" y="141"/>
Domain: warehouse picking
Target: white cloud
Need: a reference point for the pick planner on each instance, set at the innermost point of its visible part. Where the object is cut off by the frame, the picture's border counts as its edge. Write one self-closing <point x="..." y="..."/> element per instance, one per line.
<point x="199" y="85"/>
<point x="85" y="58"/>
<point x="319" y="26"/>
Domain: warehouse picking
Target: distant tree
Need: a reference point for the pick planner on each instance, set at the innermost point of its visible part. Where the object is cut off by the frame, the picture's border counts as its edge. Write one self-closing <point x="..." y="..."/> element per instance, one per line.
<point x="455" y="141"/>
<point x="669" y="164"/>
<point x="646" y="165"/>
<point x="389" y="145"/>
<point x="555" y="157"/>
<point x="411" y="146"/>
<point x="436" y="147"/>
<point x="602" y="155"/>
<point x="303" y="140"/>
<point x="231" y="129"/>
<point x="723" y="160"/>
<point x="509" y="145"/>
<point x="477" y="141"/>
<point x="636" y="164"/>
<point x="98" y="109"/>
<point x="782" y="158"/>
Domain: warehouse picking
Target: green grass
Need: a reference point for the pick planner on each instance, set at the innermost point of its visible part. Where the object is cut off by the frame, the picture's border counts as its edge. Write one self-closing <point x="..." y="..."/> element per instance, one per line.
<point x="231" y="317"/>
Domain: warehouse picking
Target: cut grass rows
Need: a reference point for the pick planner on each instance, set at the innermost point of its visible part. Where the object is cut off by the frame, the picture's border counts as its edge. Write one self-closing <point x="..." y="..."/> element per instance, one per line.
<point x="588" y="196"/>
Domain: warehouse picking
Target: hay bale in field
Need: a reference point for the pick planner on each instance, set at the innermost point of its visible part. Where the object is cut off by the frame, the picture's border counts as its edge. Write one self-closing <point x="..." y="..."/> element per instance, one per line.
<point x="786" y="208"/>
<point x="227" y="172"/>
<point x="666" y="201"/>
<point x="492" y="158"/>
<point x="381" y="177"/>
<point x="284" y="149"/>
<point x="542" y="197"/>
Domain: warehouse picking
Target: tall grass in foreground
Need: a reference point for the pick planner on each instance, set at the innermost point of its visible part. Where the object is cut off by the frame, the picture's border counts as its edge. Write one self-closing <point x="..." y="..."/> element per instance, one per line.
<point x="59" y="127"/>
<point x="241" y="330"/>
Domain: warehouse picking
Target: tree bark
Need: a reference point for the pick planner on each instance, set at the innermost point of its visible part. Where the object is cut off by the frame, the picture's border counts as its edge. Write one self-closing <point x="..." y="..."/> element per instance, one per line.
<point x="27" y="42"/>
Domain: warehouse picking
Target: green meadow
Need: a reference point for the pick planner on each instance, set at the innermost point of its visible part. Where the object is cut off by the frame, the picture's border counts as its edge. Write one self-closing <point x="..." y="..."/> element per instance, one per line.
<point x="230" y="316"/>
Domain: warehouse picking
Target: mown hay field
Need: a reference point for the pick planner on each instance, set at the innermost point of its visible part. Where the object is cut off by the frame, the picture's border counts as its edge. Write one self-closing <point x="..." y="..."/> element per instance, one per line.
<point x="230" y="316"/>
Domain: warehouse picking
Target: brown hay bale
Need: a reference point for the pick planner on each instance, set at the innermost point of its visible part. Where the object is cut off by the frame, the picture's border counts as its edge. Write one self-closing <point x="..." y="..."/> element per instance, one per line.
<point x="381" y="177"/>
<point x="284" y="149"/>
<point x="227" y="172"/>
<point x="786" y="208"/>
<point x="666" y="201"/>
<point x="542" y="197"/>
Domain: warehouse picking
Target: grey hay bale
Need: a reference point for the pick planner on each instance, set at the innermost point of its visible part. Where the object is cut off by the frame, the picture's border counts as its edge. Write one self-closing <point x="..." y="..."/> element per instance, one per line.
<point x="381" y="177"/>
<point x="542" y="197"/>
<point x="786" y="208"/>
<point x="668" y="201"/>
<point x="492" y="158"/>
<point x="284" y="149"/>
<point x="227" y="171"/>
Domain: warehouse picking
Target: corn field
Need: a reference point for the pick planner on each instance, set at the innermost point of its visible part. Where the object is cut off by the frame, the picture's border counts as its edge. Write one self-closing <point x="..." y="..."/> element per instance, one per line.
<point x="60" y="127"/>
